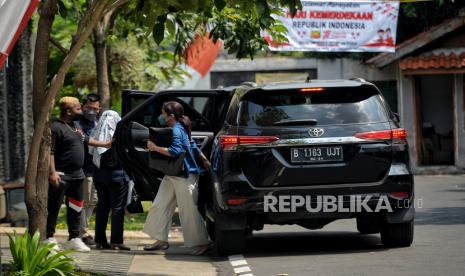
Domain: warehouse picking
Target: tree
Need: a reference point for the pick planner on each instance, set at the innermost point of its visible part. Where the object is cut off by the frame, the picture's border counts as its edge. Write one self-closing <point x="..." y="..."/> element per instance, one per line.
<point x="237" y="22"/>
<point x="44" y="93"/>
<point x="101" y="51"/>
<point x="415" y="18"/>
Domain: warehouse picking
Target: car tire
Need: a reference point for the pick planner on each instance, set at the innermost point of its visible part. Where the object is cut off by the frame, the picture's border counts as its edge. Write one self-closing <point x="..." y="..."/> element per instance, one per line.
<point x="397" y="234"/>
<point x="367" y="226"/>
<point x="229" y="242"/>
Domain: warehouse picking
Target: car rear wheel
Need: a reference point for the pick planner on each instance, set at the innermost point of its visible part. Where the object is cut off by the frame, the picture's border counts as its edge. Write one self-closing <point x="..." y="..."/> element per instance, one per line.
<point x="229" y="242"/>
<point x="367" y="226"/>
<point x="397" y="234"/>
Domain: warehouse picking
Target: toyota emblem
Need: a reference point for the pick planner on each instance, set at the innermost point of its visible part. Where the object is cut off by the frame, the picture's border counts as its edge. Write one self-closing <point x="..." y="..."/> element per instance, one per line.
<point x="316" y="132"/>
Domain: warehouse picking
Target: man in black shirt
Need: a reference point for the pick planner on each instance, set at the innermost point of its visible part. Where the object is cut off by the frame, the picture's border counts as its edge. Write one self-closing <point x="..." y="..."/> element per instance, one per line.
<point x="87" y="122"/>
<point x="66" y="174"/>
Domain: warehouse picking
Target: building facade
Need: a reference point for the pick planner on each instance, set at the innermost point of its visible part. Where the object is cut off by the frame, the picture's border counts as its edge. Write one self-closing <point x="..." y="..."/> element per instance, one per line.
<point x="423" y="81"/>
<point x="430" y="70"/>
<point x="16" y="123"/>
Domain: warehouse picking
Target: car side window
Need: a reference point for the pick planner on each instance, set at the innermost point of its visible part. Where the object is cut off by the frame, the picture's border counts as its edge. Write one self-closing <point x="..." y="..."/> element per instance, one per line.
<point x="198" y="108"/>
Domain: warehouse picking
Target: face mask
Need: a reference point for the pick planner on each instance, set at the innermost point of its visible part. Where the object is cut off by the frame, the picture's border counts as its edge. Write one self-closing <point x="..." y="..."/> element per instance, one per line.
<point x="73" y="115"/>
<point x="90" y="115"/>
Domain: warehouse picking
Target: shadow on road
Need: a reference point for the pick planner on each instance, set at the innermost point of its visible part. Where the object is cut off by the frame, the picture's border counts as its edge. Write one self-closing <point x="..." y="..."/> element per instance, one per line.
<point x="440" y="216"/>
<point x="312" y="243"/>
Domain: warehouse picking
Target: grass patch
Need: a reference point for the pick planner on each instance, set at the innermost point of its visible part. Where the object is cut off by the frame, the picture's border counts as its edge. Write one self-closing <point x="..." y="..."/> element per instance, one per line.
<point x="132" y="222"/>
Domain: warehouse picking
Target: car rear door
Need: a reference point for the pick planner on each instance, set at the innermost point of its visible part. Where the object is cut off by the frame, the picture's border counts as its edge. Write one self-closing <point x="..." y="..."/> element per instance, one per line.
<point x="323" y="137"/>
<point x="143" y="110"/>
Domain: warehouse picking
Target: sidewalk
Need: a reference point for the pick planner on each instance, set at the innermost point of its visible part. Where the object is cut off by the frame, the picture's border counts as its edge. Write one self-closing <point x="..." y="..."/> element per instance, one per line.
<point x="174" y="261"/>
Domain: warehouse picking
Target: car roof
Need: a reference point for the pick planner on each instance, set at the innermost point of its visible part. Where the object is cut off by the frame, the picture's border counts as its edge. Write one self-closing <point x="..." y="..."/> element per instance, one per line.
<point x="247" y="87"/>
<point x="312" y="83"/>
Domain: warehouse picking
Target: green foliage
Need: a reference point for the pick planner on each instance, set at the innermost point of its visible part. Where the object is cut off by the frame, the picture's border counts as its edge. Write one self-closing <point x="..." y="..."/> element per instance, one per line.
<point x="417" y="17"/>
<point x="135" y="61"/>
<point x="239" y="23"/>
<point x="33" y="258"/>
<point x="132" y="222"/>
<point x="149" y="38"/>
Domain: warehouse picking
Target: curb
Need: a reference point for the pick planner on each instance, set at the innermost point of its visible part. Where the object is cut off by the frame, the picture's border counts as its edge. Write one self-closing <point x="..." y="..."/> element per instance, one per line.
<point x="175" y="233"/>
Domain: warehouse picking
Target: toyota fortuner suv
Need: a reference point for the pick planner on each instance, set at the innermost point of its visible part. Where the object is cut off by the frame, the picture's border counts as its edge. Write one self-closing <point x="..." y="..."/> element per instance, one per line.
<point x="305" y="153"/>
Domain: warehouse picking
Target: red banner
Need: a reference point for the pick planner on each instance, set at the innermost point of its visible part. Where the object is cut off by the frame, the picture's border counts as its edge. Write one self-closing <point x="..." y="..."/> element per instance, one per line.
<point x="340" y="26"/>
<point x="202" y="54"/>
<point x="14" y="16"/>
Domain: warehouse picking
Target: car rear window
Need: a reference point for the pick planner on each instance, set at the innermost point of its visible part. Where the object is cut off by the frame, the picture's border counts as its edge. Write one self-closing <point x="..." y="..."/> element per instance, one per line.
<point x="346" y="105"/>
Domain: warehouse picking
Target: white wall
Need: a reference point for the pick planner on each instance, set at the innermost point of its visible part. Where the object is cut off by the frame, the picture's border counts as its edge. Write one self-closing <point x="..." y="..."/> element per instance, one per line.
<point x="326" y="68"/>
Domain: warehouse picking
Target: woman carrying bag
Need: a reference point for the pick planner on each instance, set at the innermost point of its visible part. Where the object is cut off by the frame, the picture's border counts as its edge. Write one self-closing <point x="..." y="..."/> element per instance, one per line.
<point x="179" y="190"/>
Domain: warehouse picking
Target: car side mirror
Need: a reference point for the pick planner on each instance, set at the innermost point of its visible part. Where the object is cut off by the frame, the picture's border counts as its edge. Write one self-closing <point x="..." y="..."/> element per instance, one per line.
<point x="395" y="117"/>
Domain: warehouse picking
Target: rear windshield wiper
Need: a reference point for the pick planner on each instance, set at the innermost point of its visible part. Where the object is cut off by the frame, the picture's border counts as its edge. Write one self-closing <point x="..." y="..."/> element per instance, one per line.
<point x="300" y="122"/>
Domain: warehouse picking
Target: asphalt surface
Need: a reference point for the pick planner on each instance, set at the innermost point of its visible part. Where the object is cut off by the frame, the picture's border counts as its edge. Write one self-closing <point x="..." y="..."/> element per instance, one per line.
<point x="338" y="249"/>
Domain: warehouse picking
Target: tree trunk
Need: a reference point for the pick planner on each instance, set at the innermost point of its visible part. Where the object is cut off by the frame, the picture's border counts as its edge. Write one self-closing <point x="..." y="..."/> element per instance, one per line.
<point x="38" y="209"/>
<point x="36" y="185"/>
<point x="101" y="63"/>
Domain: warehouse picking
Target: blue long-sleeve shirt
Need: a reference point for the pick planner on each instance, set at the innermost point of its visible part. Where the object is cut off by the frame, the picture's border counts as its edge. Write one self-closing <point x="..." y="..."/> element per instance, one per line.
<point x="182" y="144"/>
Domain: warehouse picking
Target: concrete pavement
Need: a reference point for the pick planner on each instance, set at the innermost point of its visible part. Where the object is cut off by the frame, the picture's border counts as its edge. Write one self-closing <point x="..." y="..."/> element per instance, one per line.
<point x="174" y="261"/>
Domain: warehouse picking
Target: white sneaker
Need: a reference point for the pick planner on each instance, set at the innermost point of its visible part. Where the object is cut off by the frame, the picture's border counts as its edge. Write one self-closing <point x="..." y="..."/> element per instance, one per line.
<point x="56" y="246"/>
<point x="76" y="244"/>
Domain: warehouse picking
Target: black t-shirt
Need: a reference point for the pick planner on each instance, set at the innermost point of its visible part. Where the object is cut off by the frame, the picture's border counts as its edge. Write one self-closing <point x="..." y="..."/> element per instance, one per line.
<point x="68" y="149"/>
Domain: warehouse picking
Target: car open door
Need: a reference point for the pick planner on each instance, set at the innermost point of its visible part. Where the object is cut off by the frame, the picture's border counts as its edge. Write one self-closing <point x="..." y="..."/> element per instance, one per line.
<point x="143" y="110"/>
<point x="132" y="99"/>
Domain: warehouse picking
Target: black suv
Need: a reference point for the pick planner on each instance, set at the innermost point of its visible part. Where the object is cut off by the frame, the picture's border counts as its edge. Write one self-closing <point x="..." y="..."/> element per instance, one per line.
<point x="278" y="141"/>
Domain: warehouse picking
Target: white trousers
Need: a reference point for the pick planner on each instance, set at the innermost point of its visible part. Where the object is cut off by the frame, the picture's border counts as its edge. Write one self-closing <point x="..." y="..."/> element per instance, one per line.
<point x="183" y="193"/>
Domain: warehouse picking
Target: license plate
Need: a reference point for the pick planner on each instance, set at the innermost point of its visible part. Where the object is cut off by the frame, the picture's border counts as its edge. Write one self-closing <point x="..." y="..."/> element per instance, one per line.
<point x="316" y="154"/>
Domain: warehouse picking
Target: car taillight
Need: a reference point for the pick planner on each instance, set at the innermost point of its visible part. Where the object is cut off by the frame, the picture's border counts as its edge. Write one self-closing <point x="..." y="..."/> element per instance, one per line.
<point x="236" y="201"/>
<point x="312" y="90"/>
<point x="227" y="141"/>
<point x="399" y="133"/>
<point x="396" y="134"/>
<point x="399" y="195"/>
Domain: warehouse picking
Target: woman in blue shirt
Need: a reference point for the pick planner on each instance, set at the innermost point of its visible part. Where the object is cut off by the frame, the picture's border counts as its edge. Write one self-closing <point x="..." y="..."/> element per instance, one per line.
<point x="178" y="191"/>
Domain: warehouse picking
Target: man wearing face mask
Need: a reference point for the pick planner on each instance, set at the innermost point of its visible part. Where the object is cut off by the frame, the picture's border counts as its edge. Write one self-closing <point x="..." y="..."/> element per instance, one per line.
<point x="66" y="173"/>
<point x="87" y="123"/>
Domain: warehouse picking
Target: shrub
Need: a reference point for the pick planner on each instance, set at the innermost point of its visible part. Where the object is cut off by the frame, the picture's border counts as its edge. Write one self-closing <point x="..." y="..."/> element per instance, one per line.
<point x="33" y="258"/>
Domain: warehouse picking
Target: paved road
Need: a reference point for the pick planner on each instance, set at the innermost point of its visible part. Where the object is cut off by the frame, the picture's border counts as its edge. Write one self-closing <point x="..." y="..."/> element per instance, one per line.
<point x="338" y="249"/>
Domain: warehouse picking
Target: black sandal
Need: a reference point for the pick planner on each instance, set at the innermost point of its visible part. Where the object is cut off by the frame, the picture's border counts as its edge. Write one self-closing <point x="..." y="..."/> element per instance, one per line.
<point x="158" y="245"/>
<point x="202" y="250"/>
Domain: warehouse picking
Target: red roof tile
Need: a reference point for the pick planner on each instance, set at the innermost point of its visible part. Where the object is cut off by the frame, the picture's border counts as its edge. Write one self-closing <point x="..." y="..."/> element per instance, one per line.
<point x="436" y="60"/>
